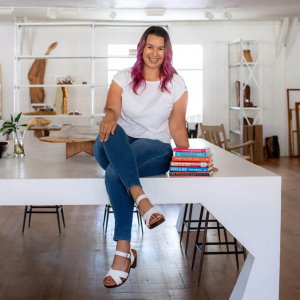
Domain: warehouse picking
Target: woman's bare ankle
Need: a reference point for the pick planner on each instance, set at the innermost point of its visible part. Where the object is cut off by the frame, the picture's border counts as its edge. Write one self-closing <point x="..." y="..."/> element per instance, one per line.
<point x="123" y="246"/>
<point x="136" y="191"/>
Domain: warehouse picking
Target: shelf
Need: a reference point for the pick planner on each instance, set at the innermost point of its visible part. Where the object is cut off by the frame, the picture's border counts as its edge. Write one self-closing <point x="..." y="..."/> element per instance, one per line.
<point x="244" y="108"/>
<point x="244" y="64"/>
<point x="51" y="57"/>
<point x="56" y="116"/>
<point x="244" y="41"/>
<point x="51" y="85"/>
<point x="235" y="131"/>
<point x="73" y="57"/>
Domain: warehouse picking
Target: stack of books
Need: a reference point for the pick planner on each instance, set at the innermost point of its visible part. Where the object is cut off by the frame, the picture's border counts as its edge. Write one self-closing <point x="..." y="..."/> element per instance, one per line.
<point x="191" y="162"/>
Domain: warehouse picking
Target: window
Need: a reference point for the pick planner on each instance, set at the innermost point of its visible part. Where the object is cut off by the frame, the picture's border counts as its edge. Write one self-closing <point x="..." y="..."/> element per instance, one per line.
<point x="187" y="60"/>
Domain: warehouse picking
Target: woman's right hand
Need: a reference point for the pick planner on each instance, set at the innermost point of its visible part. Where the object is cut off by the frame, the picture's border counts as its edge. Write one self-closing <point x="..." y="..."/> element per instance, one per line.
<point x="107" y="126"/>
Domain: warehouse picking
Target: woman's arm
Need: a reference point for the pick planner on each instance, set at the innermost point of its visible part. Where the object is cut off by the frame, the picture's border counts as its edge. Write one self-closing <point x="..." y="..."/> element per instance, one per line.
<point x="177" y="122"/>
<point x="112" y="109"/>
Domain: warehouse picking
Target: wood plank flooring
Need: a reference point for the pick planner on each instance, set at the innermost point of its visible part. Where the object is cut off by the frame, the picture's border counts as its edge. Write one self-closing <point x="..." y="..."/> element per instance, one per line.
<point x="42" y="264"/>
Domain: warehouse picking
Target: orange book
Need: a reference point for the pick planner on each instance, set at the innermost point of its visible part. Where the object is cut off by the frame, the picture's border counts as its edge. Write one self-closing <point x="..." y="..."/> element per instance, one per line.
<point x="182" y="158"/>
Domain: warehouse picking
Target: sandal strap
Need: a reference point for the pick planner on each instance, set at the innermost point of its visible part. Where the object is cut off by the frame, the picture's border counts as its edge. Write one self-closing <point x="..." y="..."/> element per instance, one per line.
<point x="149" y="213"/>
<point x="127" y="255"/>
<point x="139" y="199"/>
<point x="116" y="275"/>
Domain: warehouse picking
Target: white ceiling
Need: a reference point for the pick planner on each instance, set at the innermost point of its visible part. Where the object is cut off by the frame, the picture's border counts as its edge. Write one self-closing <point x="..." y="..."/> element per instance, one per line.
<point x="134" y="10"/>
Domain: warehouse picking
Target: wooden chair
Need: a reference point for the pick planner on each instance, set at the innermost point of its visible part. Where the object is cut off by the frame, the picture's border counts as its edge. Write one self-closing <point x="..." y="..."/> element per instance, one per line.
<point x="213" y="134"/>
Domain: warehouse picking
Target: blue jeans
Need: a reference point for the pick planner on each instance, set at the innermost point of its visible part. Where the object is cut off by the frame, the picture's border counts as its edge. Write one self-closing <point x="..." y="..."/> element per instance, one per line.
<point x="125" y="159"/>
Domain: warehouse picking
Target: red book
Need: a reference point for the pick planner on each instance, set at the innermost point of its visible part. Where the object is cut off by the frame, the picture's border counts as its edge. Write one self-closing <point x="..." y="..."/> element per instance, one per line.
<point x="200" y="164"/>
<point x="190" y="174"/>
<point x="194" y="150"/>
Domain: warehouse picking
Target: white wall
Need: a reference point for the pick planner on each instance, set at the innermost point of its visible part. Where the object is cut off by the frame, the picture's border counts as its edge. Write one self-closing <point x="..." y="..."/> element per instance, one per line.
<point x="278" y="73"/>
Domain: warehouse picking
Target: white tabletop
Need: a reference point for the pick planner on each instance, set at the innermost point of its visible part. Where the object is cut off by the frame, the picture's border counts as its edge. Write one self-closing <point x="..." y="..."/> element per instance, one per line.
<point x="47" y="161"/>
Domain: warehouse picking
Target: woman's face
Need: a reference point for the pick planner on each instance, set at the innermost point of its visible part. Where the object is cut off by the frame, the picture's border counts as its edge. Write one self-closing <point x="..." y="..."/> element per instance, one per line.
<point x="154" y="51"/>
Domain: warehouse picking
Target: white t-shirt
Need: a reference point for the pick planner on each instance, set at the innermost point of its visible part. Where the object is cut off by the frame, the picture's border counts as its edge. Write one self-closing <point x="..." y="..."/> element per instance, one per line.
<point x="146" y="115"/>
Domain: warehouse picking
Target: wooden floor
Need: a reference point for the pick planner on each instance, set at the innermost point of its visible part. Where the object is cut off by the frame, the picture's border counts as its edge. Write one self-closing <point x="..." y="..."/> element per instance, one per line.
<point x="45" y="265"/>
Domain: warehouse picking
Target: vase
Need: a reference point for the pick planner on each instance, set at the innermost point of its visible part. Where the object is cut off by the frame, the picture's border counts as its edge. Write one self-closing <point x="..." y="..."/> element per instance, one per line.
<point x="19" y="142"/>
<point x="247" y="56"/>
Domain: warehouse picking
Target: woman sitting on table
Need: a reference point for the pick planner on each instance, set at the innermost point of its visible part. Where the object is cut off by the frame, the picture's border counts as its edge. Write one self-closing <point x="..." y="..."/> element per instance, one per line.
<point x="146" y="105"/>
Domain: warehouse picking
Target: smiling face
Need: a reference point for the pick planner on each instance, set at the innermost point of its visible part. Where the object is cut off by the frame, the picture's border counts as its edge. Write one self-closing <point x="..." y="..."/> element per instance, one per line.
<point x="154" y="52"/>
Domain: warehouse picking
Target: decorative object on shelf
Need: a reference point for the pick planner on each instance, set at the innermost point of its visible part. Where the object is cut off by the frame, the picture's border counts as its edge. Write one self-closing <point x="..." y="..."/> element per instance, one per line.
<point x="3" y="149"/>
<point x="76" y="113"/>
<point x="38" y="122"/>
<point x="272" y="146"/>
<point x="0" y="92"/>
<point x="84" y="82"/>
<point x="246" y="94"/>
<point x="36" y="76"/>
<point x="14" y="127"/>
<point x="247" y="56"/>
<point x="251" y="120"/>
<point x="45" y="109"/>
<point x="292" y="131"/>
<point x="39" y="113"/>
<point x="58" y="101"/>
<point x="65" y="100"/>
<point x="66" y="80"/>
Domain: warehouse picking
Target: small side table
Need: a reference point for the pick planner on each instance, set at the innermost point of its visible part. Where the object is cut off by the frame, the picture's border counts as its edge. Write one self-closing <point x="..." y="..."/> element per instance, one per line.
<point x="43" y="131"/>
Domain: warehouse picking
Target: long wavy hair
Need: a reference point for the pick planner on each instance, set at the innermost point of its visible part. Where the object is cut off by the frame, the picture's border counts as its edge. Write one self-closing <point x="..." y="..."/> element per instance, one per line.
<point x="166" y="69"/>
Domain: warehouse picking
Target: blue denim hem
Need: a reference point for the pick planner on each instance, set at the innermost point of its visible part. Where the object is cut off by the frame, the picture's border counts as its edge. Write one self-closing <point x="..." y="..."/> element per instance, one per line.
<point x="132" y="186"/>
<point x="121" y="239"/>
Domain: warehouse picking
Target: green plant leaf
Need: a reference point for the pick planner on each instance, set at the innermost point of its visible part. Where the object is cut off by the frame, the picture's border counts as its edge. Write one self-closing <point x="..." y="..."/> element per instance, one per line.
<point x="24" y="125"/>
<point x="18" y="117"/>
<point x="11" y="118"/>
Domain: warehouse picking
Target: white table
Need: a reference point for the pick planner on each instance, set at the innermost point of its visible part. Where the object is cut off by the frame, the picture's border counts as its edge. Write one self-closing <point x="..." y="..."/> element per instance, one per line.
<point x="245" y="198"/>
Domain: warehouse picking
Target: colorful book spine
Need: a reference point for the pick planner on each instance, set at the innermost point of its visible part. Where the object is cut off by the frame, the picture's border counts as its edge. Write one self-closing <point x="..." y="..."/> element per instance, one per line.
<point x="190" y="174"/>
<point x="191" y="150"/>
<point x="193" y="159"/>
<point x="187" y="169"/>
<point x="191" y="154"/>
<point x="191" y="164"/>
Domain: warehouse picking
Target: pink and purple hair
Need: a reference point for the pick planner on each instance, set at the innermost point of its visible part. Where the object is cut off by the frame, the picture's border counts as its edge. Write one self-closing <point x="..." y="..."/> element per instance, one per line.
<point x="166" y="69"/>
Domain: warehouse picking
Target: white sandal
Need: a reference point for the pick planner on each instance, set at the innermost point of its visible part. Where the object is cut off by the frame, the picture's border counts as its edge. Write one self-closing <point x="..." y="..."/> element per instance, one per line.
<point x="119" y="276"/>
<point x="149" y="213"/>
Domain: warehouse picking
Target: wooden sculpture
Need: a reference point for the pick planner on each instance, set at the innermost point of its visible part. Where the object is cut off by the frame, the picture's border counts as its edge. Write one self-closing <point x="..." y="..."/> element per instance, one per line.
<point x="36" y="76"/>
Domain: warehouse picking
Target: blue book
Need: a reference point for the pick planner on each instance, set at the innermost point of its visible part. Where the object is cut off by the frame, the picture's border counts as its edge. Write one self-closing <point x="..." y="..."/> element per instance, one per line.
<point x="189" y="169"/>
<point x="192" y="154"/>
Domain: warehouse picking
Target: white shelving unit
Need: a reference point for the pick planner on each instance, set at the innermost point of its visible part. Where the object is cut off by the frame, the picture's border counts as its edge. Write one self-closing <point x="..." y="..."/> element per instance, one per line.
<point x="92" y="58"/>
<point x="247" y="73"/>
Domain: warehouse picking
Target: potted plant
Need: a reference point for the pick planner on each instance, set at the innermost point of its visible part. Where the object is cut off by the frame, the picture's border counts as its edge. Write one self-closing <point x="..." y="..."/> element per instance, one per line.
<point x="14" y="127"/>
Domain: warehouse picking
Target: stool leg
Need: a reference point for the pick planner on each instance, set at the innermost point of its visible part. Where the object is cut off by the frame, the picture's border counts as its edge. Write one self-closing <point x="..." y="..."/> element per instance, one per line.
<point x="183" y="220"/>
<point x="236" y="255"/>
<point x="138" y="219"/>
<point x="24" y="219"/>
<point x="29" y="219"/>
<point x="107" y="217"/>
<point x="141" y="222"/>
<point x="226" y="239"/>
<point x="203" y="245"/>
<point x="188" y="229"/>
<point x="58" y="222"/>
<point x="218" y="226"/>
<point x="245" y="253"/>
<point x="197" y="235"/>
<point x="104" y="215"/>
<point x="62" y="215"/>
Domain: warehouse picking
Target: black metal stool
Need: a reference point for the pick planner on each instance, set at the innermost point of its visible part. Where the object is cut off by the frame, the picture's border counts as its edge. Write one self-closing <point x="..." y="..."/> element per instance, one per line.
<point x="108" y="210"/>
<point x="188" y="222"/>
<point x="30" y="211"/>
<point x="201" y="246"/>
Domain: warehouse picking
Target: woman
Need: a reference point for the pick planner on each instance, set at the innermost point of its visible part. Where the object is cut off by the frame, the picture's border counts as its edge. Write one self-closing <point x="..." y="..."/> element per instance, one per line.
<point x="145" y="105"/>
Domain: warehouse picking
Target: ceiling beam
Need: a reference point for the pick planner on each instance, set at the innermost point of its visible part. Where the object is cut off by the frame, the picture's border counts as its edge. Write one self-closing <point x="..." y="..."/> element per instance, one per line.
<point x="282" y="36"/>
<point x="291" y="36"/>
